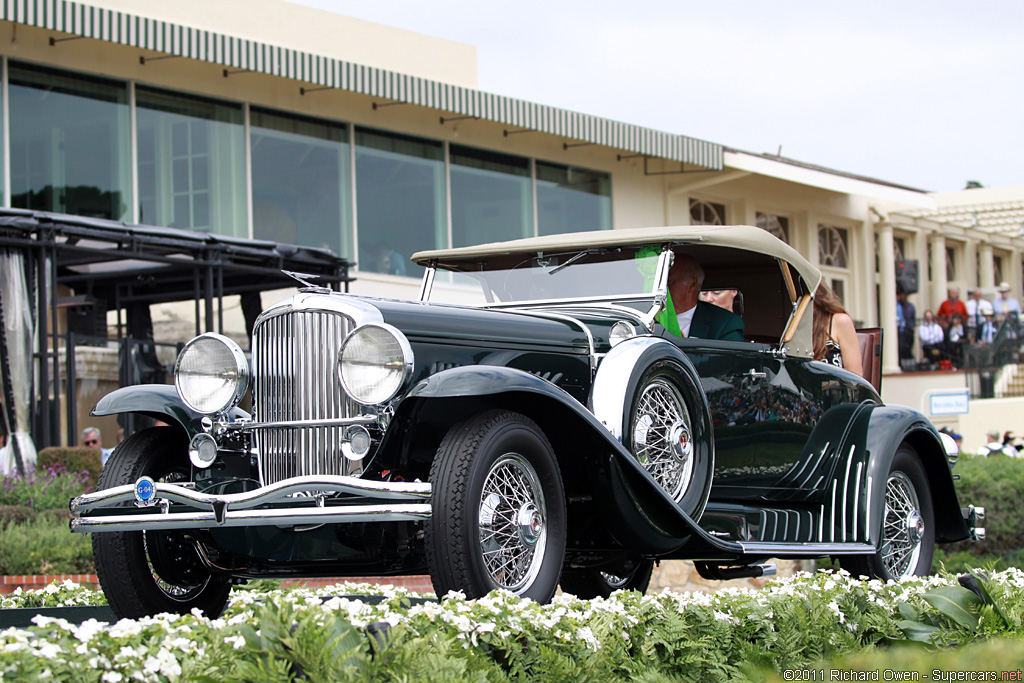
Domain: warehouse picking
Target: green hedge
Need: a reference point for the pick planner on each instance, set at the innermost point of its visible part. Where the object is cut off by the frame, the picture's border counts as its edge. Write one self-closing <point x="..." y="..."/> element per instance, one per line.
<point x="75" y="459"/>
<point x="44" y="545"/>
<point x="997" y="484"/>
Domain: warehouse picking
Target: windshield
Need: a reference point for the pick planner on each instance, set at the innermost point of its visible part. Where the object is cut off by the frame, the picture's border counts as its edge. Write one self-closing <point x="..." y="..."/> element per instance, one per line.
<point x="592" y="274"/>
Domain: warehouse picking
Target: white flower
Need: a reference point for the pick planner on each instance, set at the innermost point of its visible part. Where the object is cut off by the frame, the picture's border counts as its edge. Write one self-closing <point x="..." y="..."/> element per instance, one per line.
<point x="111" y="677"/>
<point x="587" y="636"/>
<point x="235" y="641"/>
<point x="834" y="607"/>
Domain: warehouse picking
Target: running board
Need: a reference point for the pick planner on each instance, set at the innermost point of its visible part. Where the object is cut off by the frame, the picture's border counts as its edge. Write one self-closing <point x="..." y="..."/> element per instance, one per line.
<point x="794" y="550"/>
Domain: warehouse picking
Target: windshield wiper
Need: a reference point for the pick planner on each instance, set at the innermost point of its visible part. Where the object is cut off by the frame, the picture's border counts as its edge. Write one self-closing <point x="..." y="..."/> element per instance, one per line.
<point x="568" y="263"/>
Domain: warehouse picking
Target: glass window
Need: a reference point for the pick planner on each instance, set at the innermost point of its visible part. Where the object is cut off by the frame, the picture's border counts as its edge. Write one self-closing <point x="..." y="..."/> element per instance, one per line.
<point x="833" y="246"/>
<point x="301" y="191"/>
<point x="70" y="143"/>
<point x="776" y="225"/>
<point x="400" y="200"/>
<point x="572" y="199"/>
<point x="706" y="213"/>
<point x="191" y="163"/>
<point x="492" y="196"/>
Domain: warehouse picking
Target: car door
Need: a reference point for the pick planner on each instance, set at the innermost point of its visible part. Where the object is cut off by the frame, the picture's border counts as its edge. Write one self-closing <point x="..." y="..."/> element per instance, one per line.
<point x="732" y="376"/>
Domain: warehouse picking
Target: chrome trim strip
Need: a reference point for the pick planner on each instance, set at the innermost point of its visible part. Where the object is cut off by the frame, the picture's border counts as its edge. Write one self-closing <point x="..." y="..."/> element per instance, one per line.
<point x="665" y="260"/>
<point x="279" y="492"/>
<point x="832" y="515"/>
<point x="794" y="475"/>
<point x="846" y="488"/>
<point x="782" y="550"/>
<point x="340" y="422"/>
<point x="867" y="513"/>
<point x="246" y="518"/>
<point x="856" y="499"/>
<point x="567" y="318"/>
<point x="361" y="312"/>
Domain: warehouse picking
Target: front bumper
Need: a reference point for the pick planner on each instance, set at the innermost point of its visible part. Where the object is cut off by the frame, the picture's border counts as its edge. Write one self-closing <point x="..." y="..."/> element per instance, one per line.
<point x="298" y="501"/>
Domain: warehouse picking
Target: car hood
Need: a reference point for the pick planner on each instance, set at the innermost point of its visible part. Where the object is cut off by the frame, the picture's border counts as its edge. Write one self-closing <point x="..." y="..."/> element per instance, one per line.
<point x="445" y="323"/>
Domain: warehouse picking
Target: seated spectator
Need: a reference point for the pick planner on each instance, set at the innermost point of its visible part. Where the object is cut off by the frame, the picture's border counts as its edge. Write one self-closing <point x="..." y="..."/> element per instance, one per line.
<point x="956" y="335"/>
<point x="987" y="332"/>
<point x="698" y="318"/>
<point x="932" y="338"/>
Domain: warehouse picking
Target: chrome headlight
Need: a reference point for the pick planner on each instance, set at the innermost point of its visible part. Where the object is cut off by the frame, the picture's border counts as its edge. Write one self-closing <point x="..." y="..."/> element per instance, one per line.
<point x="211" y="374"/>
<point x="620" y="332"/>
<point x="374" y="363"/>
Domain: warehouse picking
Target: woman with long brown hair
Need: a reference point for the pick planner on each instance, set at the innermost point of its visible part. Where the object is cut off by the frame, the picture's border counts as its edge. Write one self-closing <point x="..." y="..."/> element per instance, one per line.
<point x="833" y="332"/>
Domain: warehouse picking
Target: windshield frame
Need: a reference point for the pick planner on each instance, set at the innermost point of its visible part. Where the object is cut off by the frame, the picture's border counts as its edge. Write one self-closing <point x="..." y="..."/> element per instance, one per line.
<point x="657" y="292"/>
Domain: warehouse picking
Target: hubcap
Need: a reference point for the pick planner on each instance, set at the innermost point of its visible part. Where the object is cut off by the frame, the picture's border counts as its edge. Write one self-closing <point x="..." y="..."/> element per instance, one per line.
<point x="662" y="437"/>
<point x="903" y="527"/>
<point x="531" y="525"/>
<point x="513" y="532"/>
<point x="915" y="527"/>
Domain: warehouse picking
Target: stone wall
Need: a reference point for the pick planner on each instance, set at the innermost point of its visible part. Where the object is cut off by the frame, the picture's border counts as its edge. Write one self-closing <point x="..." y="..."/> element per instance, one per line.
<point x="680" y="576"/>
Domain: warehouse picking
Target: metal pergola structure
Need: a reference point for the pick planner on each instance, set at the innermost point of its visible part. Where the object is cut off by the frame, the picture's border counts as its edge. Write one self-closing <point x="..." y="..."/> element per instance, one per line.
<point x="116" y="266"/>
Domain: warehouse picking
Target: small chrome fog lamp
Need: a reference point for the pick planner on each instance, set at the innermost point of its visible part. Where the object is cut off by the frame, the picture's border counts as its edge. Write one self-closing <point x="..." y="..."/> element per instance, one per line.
<point x="202" y="450"/>
<point x="358" y="444"/>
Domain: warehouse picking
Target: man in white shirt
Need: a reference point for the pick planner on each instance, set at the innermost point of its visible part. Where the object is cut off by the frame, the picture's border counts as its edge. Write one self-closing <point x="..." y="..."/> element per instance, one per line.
<point x="976" y="309"/>
<point x="1004" y="303"/>
<point x="932" y="338"/>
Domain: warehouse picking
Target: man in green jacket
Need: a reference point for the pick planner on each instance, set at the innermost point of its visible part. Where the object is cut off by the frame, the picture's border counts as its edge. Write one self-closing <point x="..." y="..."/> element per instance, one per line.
<point x="699" y="318"/>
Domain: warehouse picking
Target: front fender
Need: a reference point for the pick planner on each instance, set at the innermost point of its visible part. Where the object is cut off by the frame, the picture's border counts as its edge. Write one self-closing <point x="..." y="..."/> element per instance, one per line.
<point x="155" y="400"/>
<point x="647" y="519"/>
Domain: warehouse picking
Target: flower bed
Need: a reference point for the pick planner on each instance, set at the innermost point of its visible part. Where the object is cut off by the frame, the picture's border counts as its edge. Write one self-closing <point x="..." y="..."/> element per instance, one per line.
<point x="734" y="634"/>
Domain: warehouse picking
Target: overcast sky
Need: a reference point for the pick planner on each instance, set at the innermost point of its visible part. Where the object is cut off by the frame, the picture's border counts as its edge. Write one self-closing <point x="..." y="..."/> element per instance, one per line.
<point x="925" y="94"/>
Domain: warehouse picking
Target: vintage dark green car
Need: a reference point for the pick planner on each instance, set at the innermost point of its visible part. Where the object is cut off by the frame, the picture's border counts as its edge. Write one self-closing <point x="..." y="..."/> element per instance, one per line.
<point x="527" y="423"/>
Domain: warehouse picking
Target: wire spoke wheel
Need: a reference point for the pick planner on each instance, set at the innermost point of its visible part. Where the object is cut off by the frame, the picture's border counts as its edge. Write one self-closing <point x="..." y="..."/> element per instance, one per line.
<point x="512" y="522"/>
<point x="147" y="572"/>
<point x="902" y="527"/>
<point x="662" y="432"/>
<point x="498" y="509"/>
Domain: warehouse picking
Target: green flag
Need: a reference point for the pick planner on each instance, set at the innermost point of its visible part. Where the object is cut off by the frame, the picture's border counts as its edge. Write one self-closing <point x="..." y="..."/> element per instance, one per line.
<point x="648" y="266"/>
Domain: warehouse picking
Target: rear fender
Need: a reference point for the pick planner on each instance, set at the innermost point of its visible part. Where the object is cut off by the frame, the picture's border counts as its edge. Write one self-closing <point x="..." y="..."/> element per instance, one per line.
<point x="883" y="429"/>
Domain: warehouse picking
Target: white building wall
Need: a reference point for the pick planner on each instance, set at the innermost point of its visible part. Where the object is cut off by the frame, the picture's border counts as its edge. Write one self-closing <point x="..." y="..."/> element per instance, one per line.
<point x="317" y="31"/>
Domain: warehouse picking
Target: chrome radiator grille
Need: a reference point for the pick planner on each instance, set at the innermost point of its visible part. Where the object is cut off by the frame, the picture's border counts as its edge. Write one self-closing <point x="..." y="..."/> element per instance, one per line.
<point x="295" y="378"/>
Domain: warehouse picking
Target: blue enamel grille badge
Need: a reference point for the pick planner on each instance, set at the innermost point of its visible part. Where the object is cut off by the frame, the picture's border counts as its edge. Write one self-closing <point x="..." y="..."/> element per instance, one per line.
<point x="145" y="491"/>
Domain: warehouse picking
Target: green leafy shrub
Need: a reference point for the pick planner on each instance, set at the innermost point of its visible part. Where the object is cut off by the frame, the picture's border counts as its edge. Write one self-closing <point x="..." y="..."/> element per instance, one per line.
<point x="806" y="623"/>
<point x="42" y="546"/>
<point x="994" y="483"/>
<point x="962" y="561"/>
<point x="16" y="514"/>
<point x="44" y="488"/>
<point x="76" y="459"/>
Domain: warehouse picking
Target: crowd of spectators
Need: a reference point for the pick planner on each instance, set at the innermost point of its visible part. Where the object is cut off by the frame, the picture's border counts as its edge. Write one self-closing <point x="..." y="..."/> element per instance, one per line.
<point x="943" y="335"/>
